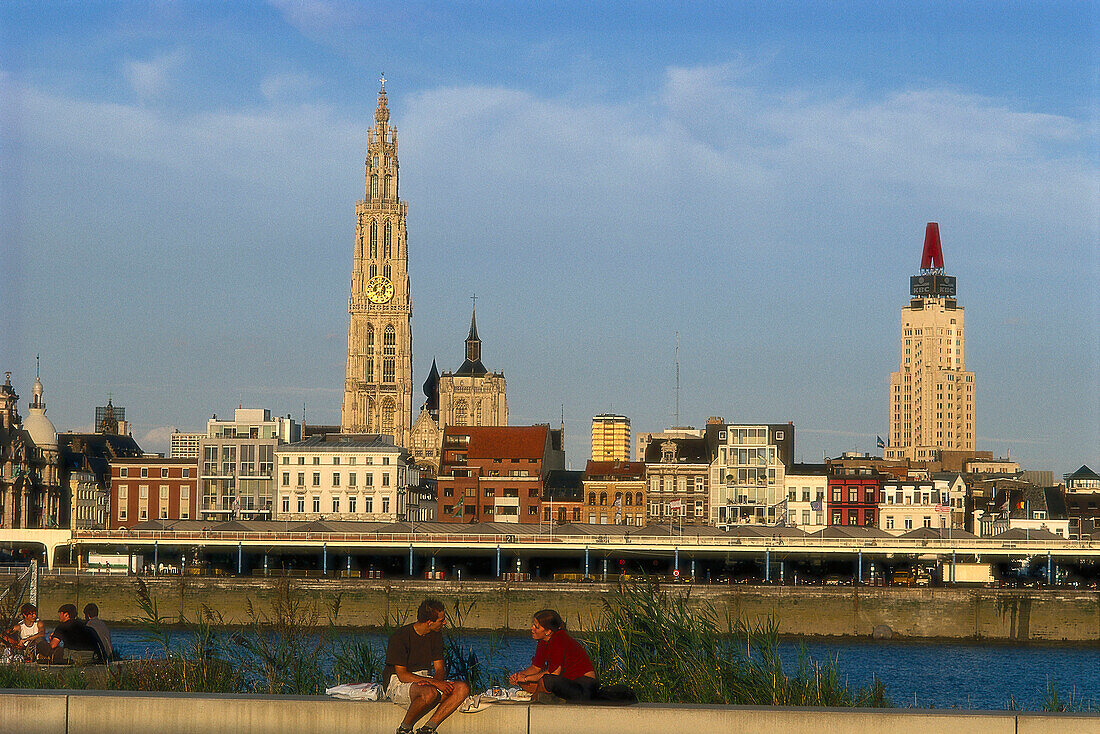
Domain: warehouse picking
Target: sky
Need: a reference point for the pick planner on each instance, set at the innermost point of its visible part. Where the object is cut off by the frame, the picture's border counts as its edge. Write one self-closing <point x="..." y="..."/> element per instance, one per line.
<point x="736" y="189"/>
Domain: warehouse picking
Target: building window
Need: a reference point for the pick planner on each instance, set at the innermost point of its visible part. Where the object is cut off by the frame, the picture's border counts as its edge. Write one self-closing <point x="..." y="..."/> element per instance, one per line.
<point x="316" y="503"/>
<point x="389" y="350"/>
<point x="336" y="479"/>
<point x="301" y="504"/>
<point x="351" y="504"/>
<point x="144" y="471"/>
<point x="908" y="523"/>
<point x="316" y="479"/>
<point x="351" y="479"/>
<point x="286" y="479"/>
<point x="368" y="504"/>
<point x="385" y="505"/>
<point x="335" y="504"/>
<point x="286" y="503"/>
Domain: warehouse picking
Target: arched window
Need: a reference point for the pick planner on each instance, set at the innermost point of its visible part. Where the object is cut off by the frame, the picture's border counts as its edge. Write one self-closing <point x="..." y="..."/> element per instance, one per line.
<point x="373" y="269"/>
<point x="389" y="349"/>
<point x="591" y="498"/>
<point x="388" y="186"/>
<point x="477" y="413"/>
<point x="387" y="241"/>
<point x="461" y="412"/>
<point x="373" y="238"/>
<point x="368" y="343"/>
<point x="386" y="271"/>
<point x="374" y="186"/>
<point x="387" y="417"/>
<point x="638" y="501"/>
<point x="603" y="498"/>
<point x="629" y="499"/>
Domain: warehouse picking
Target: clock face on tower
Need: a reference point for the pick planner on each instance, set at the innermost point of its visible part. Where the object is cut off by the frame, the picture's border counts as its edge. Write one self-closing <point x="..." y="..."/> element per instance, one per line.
<point x="379" y="289"/>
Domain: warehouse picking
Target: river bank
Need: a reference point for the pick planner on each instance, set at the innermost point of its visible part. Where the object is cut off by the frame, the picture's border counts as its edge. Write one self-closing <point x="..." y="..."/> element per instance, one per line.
<point x="804" y="611"/>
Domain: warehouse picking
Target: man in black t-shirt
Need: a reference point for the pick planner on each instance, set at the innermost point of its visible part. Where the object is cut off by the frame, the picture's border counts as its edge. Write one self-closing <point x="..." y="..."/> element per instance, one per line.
<point x="79" y="641"/>
<point x="415" y="676"/>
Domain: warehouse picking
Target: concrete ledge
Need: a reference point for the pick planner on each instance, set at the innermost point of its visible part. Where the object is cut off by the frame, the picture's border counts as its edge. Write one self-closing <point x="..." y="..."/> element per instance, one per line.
<point x="113" y="712"/>
<point x="33" y="712"/>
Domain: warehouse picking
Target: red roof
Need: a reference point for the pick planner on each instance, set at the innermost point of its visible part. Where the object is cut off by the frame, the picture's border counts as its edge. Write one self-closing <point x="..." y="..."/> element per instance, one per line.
<point x="502" y="442"/>
<point x="626" y="469"/>
<point x="932" y="257"/>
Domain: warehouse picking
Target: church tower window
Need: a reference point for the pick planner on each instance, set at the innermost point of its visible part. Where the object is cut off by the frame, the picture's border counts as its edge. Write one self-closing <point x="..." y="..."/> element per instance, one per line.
<point x="389" y="349"/>
<point x="387" y="416"/>
<point x="369" y="340"/>
<point x="373" y="269"/>
<point x="387" y="241"/>
<point x="387" y="186"/>
<point x="374" y="186"/>
<point x="373" y="238"/>
<point x="386" y="271"/>
<point x="461" y="413"/>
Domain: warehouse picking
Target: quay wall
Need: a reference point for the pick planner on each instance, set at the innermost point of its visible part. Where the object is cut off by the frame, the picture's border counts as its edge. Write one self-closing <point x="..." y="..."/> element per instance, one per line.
<point x="930" y="612"/>
<point x="51" y="712"/>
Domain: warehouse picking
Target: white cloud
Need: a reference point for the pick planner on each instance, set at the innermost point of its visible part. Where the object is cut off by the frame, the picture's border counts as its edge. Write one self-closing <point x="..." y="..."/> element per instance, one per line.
<point x="157" y="440"/>
<point x="152" y="78"/>
<point x="279" y="87"/>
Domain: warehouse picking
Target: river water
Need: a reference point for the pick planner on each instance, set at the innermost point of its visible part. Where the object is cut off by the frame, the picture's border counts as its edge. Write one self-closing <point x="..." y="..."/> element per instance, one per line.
<point x="939" y="674"/>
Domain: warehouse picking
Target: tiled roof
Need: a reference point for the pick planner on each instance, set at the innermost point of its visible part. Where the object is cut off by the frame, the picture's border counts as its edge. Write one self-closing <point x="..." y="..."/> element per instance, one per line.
<point x="624" y="469"/>
<point x="501" y="442"/>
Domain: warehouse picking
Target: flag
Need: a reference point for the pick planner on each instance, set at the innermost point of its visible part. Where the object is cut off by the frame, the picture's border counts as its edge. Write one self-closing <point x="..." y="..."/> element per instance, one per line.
<point x="881" y="443"/>
<point x="457" y="511"/>
<point x="816" y="505"/>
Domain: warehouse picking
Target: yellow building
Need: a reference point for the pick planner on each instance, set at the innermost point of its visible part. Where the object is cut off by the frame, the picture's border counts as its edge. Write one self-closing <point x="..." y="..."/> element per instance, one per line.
<point x="931" y="394"/>
<point x="610" y="438"/>
<point x="378" y="382"/>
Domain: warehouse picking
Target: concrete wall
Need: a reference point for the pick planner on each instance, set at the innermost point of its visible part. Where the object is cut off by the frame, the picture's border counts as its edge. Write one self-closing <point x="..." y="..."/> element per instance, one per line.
<point x="994" y="614"/>
<point x="49" y="712"/>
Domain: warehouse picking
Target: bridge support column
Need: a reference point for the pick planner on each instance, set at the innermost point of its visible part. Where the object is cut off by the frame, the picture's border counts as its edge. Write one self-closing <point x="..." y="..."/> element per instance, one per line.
<point x="498" y="561"/>
<point x="676" y="560"/>
<point x="324" y="559"/>
<point x="767" y="565"/>
<point x="605" y="569"/>
<point x="952" y="566"/>
<point x="265" y="564"/>
<point x="240" y="557"/>
<point x="859" y="565"/>
<point x="586" y="561"/>
<point x="410" y="560"/>
<point x="782" y="572"/>
<point x="156" y="557"/>
<point x="1050" y="569"/>
<point x="692" y="569"/>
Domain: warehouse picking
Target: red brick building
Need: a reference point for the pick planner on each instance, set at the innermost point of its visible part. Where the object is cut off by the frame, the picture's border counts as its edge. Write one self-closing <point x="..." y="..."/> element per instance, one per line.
<point x="152" y="488"/>
<point x="854" y="496"/>
<point x="496" y="473"/>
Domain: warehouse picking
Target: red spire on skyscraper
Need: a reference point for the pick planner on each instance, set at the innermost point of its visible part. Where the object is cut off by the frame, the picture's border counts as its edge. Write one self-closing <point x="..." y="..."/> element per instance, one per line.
<point x="933" y="254"/>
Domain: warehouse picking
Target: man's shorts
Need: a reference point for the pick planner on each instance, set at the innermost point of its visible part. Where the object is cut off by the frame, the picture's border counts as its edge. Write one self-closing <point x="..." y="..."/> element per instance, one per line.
<point x="399" y="691"/>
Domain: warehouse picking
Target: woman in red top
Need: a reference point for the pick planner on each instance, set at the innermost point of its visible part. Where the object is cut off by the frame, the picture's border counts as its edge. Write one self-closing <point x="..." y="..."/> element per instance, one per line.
<point x="560" y="665"/>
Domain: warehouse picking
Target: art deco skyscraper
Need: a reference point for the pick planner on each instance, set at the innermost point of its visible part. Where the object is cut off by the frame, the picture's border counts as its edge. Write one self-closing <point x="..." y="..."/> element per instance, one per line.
<point x="378" y="386"/>
<point x="931" y="394"/>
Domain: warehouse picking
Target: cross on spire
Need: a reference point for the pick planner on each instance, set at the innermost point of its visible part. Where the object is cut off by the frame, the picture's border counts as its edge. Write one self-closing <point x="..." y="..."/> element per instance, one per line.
<point x="382" y="81"/>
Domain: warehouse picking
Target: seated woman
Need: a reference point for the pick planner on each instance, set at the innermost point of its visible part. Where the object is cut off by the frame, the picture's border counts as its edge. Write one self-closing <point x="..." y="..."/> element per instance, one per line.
<point x="560" y="665"/>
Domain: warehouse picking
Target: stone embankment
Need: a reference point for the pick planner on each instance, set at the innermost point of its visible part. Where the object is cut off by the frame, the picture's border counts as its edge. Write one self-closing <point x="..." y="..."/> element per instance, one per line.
<point x="930" y="612"/>
<point x="51" y="712"/>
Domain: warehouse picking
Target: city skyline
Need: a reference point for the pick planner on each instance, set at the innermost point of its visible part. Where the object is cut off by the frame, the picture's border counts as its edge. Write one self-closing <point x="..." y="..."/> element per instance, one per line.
<point x="756" y="179"/>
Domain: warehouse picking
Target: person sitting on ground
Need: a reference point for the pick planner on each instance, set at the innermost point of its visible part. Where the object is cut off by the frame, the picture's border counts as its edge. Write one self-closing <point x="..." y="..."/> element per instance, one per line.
<point x="91" y="617"/>
<point x="79" y="642"/>
<point x="415" y="676"/>
<point x="560" y="665"/>
<point x="29" y="634"/>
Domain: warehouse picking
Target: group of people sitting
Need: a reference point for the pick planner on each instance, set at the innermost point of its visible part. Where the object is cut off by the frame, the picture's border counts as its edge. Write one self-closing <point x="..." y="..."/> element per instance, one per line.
<point x="74" y="640"/>
<point x="415" y="676"/>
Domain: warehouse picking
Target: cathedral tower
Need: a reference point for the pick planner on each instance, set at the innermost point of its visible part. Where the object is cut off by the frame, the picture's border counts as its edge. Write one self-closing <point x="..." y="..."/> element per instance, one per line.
<point x="931" y="394"/>
<point x="378" y="385"/>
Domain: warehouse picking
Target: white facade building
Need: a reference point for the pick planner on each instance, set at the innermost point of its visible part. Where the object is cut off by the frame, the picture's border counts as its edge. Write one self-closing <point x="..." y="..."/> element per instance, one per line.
<point x="908" y="504"/>
<point x="184" y="445"/>
<point x="807" y="491"/>
<point x="237" y="463"/>
<point x="747" y="473"/>
<point x="345" y="477"/>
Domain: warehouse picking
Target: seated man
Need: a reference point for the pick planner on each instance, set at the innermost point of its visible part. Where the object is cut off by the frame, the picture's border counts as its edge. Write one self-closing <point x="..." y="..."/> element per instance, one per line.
<point x="79" y="642"/>
<point x="91" y="618"/>
<point x="415" y="676"/>
<point x="27" y="636"/>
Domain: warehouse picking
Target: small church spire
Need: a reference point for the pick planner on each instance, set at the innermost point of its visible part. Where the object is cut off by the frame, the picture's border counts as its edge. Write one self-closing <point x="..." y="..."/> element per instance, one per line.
<point x="473" y="342"/>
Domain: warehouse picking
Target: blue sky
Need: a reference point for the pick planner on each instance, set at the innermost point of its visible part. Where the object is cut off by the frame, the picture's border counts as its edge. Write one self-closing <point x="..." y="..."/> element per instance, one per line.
<point x="177" y="188"/>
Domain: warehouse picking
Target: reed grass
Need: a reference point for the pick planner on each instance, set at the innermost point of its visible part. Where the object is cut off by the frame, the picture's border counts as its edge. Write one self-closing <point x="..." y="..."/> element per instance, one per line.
<point x="670" y="650"/>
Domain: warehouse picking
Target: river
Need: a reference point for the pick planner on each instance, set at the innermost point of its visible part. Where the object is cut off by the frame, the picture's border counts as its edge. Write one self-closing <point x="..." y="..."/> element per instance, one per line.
<point x="939" y="674"/>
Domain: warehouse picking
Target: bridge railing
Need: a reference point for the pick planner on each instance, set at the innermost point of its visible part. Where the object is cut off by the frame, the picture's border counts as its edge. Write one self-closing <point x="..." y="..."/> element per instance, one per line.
<point x="701" y="541"/>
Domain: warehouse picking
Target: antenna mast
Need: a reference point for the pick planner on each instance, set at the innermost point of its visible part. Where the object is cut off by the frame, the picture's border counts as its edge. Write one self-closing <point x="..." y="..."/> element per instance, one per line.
<point x="677" y="378"/>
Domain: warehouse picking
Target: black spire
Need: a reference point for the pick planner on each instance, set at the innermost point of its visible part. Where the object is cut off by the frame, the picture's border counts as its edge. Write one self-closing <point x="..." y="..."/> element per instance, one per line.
<point x="473" y="365"/>
<point x="431" y="391"/>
